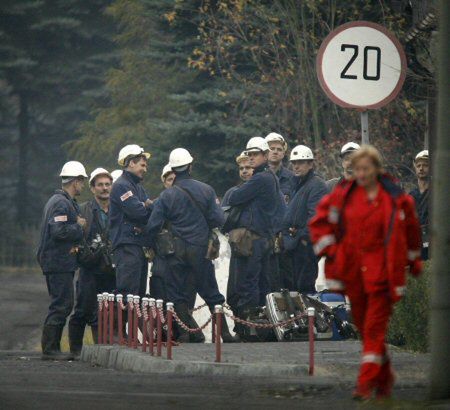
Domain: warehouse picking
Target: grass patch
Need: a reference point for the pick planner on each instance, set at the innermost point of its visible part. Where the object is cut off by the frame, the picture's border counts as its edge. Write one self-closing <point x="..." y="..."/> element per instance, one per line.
<point x="409" y="323"/>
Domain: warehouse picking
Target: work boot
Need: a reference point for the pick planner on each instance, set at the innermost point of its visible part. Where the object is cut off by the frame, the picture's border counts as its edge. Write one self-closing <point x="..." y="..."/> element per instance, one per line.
<point x="51" y="339"/>
<point x="76" y="333"/>
<point x="182" y="312"/>
<point x="197" y="337"/>
<point x="385" y="381"/>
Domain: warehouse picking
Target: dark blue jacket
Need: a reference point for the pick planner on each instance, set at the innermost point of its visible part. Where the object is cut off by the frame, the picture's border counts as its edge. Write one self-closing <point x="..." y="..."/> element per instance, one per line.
<point x="91" y="212"/>
<point x="226" y="197"/>
<point x="308" y="191"/>
<point x="262" y="203"/>
<point x="177" y="208"/>
<point x="285" y="177"/>
<point x="127" y="211"/>
<point x="60" y="233"/>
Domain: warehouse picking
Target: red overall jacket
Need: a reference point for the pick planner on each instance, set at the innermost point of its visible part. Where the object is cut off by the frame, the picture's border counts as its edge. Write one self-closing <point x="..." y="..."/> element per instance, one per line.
<point x="402" y="242"/>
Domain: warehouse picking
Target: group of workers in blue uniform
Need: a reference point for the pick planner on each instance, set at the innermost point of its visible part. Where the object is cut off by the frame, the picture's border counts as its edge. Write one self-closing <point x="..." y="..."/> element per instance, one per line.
<point x="115" y="235"/>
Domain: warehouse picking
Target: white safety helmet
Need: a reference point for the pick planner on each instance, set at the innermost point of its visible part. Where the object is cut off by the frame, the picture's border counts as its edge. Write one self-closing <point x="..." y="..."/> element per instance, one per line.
<point x="98" y="171"/>
<point x="349" y="147"/>
<point x="166" y="170"/>
<point x="257" y="144"/>
<point x="274" y="137"/>
<point x="422" y="155"/>
<point x="116" y="174"/>
<point x="132" y="150"/>
<point x="301" y="152"/>
<point x="180" y="157"/>
<point x="73" y="169"/>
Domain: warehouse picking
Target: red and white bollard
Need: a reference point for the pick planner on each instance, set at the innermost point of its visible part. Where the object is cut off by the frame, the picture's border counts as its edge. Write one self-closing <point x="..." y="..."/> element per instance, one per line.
<point x="144" y="323"/>
<point x="169" y="318"/>
<point x="119" y="299"/>
<point x="100" y="318"/>
<point x="311" y="315"/>
<point x="159" y="308"/>
<point x="105" y="296"/>
<point x="130" y="320"/>
<point x="111" y="317"/>
<point x="151" y="326"/>
<point x="218" y="310"/>
<point x="136" y="300"/>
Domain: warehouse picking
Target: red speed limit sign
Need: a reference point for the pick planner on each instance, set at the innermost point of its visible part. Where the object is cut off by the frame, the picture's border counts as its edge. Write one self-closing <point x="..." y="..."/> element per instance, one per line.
<point x="361" y="65"/>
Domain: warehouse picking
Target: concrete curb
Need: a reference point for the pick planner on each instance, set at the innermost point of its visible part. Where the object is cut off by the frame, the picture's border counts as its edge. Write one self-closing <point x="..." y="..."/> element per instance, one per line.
<point x="122" y="358"/>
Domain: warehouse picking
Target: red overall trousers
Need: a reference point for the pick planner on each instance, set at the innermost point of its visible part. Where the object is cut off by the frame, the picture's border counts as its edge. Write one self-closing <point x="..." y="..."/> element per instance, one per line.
<point x="368" y="288"/>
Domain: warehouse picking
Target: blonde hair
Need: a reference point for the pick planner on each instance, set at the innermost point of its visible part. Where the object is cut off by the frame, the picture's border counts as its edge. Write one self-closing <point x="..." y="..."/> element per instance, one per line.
<point x="368" y="151"/>
<point x="241" y="157"/>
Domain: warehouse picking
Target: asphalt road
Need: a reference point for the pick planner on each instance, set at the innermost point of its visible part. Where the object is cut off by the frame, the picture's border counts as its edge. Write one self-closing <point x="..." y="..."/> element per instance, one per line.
<point x="23" y="303"/>
<point x="26" y="382"/>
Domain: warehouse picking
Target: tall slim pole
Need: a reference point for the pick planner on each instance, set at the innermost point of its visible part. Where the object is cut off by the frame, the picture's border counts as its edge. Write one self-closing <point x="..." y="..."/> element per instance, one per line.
<point x="365" y="127"/>
<point x="440" y="288"/>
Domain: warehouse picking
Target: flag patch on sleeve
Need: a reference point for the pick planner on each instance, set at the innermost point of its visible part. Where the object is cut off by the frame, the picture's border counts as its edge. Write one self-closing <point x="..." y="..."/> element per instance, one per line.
<point x="61" y="218"/>
<point x="126" y="195"/>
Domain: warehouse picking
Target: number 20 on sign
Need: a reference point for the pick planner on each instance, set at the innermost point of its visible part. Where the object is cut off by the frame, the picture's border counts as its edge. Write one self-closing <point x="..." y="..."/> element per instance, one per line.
<point x="361" y="65"/>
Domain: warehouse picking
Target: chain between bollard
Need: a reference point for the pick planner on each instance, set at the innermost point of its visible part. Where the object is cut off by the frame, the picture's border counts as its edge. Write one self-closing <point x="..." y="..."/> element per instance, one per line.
<point x="187" y="328"/>
<point x="264" y="325"/>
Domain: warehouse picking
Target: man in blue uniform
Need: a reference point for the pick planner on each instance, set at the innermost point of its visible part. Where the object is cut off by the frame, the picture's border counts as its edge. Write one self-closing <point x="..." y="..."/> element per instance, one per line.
<point x="262" y="205"/>
<point x="422" y="196"/>
<point x="278" y="149"/>
<point x="191" y="211"/>
<point x="281" y="266"/>
<point x="245" y="173"/>
<point x="96" y="274"/>
<point x="130" y="209"/>
<point x="61" y="233"/>
<point x="308" y="190"/>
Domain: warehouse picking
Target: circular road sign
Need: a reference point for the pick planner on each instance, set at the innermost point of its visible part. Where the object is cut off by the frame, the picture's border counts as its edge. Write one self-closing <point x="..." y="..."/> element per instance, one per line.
<point x="361" y="65"/>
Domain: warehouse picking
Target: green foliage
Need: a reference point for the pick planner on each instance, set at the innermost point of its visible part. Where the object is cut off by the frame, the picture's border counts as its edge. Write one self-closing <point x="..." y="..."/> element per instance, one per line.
<point x="210" y="74"/>
<point x="53" y="56"/>
<point x="409" y="324"/>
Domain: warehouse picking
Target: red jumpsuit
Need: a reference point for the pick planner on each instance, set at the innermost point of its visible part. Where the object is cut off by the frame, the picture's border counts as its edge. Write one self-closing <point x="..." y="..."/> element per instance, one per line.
<point x="368" y="243"/>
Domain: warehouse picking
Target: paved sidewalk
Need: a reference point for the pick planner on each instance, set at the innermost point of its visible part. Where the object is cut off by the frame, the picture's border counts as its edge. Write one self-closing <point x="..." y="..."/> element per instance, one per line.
<point x="336" y="362"/>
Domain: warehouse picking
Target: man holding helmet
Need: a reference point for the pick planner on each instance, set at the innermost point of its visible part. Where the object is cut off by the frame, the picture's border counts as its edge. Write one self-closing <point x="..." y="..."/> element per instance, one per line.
<point x="308" y="190"/>
<point x="130" y="209"/>
<point x="61" y="233"/>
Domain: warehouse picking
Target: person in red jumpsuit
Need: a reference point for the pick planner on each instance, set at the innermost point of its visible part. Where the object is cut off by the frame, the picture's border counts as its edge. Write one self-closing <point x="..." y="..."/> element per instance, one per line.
<point x="369" y="232"/>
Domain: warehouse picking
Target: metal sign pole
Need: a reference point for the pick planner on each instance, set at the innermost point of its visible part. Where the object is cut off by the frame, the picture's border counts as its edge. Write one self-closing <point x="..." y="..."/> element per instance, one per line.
<point x="365" y="127"/>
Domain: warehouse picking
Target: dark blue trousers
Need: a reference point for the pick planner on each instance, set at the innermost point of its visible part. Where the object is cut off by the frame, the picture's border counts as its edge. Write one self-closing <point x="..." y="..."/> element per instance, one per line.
<point x="188" y="269"/>
<point x="88" y="286"/>
<point x="60" y="290"/>
<point x="306" y="268"/>
<point x="131" y="270"/>
<point x="252" y="275"/>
